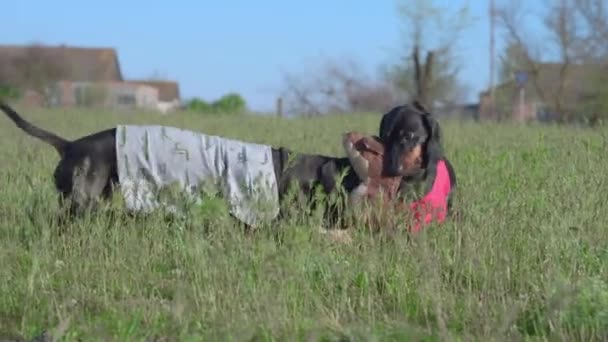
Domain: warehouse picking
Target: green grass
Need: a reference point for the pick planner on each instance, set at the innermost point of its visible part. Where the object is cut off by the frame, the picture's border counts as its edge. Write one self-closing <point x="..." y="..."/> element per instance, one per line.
<point x="527" y="259"/>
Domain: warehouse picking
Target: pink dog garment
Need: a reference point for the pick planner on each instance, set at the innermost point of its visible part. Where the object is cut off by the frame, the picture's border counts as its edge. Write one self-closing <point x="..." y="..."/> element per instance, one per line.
<point x="434" y="205"/>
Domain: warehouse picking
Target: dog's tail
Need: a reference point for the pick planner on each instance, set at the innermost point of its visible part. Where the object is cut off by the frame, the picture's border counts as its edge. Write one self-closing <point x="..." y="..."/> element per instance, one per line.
<point x="57" y="142"/>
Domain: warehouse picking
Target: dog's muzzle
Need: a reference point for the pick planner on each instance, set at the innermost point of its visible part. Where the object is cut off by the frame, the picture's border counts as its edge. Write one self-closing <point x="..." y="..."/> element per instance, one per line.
<point x="393" y="165"/>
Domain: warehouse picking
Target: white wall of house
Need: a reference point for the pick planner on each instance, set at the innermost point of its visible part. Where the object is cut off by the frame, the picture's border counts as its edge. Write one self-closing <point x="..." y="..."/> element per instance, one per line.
<point x="111" y="94"/>
<point x="122" y="95"/>
<point x="167" y="106"/>
<point x="146" y="97"/>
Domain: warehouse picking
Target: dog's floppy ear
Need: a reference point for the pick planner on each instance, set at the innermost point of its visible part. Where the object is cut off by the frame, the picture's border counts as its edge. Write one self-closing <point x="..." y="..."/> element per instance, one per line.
<point x="432" y="126"/>
<point x="433" y="151"/>
<point x="387" y="124"/>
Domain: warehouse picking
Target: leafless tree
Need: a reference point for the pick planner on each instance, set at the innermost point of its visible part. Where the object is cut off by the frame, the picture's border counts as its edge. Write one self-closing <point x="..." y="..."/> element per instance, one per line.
<point x="593" y="16"/>
<point x="433" y="31"/>
<point x="510" y="19"/>
<point x="336" y="86"/>
<point x="36" y="69"/>
<point x="577" y="33"/>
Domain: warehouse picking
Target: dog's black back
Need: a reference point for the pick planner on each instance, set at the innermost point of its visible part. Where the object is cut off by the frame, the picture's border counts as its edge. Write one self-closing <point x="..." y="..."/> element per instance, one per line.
<point x="309" y="173"/>
<point x="87" y="170"/>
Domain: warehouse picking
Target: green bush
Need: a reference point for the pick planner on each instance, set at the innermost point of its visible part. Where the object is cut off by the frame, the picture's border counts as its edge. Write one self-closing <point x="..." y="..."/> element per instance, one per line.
<point x="198" y="105"/>
<point x="231" y="103"/>
<point x="8" y="92"/>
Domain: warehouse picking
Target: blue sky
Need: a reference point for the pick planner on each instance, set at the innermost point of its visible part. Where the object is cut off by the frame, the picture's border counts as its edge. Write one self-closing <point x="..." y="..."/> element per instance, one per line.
<point x="215" y="47"/>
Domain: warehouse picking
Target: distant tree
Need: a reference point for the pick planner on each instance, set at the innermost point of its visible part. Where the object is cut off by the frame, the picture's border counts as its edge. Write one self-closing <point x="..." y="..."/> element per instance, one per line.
<point x="228" y="104"/>
<point x="577" y="34"/>
<point x="595" y="107"/>
<point x="9" y="93"/>
<point x="593" y="21"/>
<point x="198" y="105"/>
<point x="336" y="86"/>
<point x="512" y="59"/>
<point x="8" y="88"/>
<point x="37" y="69"/>
<point x="428" y="70"/>
<point x="594" y="50"/>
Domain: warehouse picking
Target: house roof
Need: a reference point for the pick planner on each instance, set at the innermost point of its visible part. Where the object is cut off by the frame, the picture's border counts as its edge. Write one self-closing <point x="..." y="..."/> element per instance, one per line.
<point x="581" y="80"/>
<point x="167" y="90"/>
<point x="72" y="63"/>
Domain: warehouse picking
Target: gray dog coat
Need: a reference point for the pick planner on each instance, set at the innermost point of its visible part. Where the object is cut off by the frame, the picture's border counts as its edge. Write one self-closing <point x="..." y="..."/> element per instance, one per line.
<point x="152" y="158"/>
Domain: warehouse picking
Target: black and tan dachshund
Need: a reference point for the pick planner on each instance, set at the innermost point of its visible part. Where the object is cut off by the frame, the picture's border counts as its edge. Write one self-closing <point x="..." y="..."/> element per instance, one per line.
<point x="87" y="169"/>
<point x="409" y="130"/>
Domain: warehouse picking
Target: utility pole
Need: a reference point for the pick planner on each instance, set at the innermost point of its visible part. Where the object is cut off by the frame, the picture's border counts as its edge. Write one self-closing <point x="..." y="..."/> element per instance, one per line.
<point x="492" y="101"/>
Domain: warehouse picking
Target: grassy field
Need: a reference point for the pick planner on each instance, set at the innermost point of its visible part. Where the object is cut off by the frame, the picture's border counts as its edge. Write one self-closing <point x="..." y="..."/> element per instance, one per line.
<point x="527" y="259"/>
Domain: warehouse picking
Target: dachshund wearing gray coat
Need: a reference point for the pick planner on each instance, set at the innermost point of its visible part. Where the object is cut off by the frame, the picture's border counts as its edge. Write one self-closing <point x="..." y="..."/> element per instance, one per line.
<point x="87" y="170"/>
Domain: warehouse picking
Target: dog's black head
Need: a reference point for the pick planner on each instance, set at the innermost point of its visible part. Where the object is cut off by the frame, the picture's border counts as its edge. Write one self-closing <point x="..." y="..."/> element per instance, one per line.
<point x="412" y="139"/>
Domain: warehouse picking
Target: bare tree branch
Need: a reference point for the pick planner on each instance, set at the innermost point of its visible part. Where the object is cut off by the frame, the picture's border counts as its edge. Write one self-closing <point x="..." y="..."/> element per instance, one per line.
<point x="509" y="20"/>
<point x="37" y="69"/>
<point x="336" y="86"/>
<point x="561" y="25"/>
<point x="594" y="17"/>
<point x="577" y="36"/>
<point x="435" y="80"/>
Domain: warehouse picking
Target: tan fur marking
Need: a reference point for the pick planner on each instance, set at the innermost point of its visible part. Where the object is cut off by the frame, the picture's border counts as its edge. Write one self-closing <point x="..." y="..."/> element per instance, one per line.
<point x="412" y="161"/>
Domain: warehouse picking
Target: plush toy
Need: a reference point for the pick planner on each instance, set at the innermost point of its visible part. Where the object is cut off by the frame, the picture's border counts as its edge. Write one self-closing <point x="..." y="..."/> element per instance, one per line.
<point x="366" y="155"/>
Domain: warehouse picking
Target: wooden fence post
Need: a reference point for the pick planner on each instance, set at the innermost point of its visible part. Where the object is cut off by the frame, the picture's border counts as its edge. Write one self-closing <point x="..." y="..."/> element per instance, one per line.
<point x="280" y="107"/>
